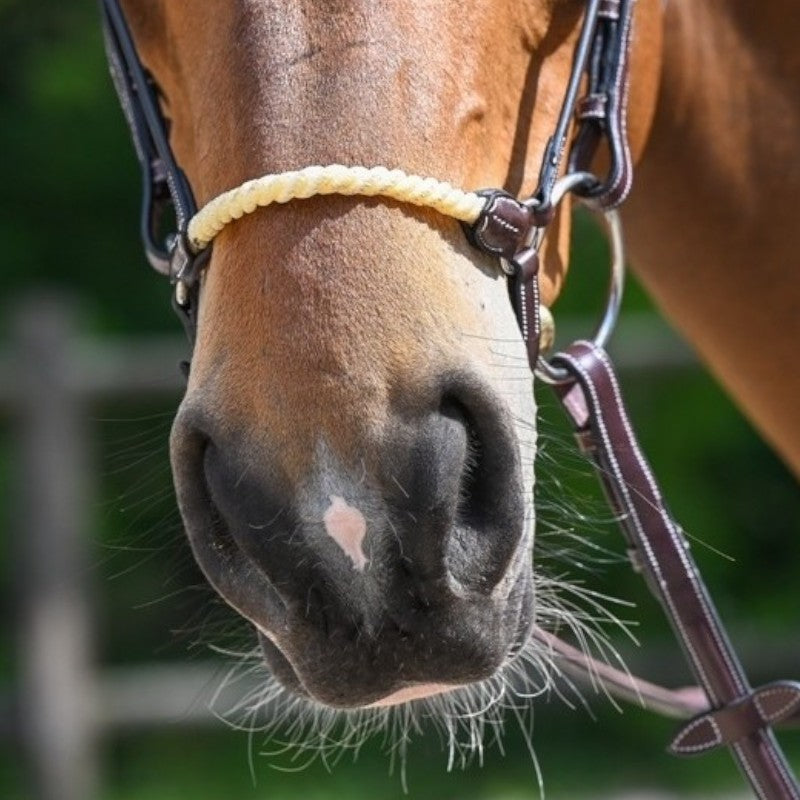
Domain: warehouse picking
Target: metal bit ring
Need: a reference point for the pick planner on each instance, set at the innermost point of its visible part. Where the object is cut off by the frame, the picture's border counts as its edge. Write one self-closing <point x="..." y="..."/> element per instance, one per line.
<point x="545" y="370"/>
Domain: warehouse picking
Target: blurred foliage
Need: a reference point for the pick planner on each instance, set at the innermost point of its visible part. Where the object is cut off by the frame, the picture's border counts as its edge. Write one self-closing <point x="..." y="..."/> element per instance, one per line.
<point x="70" y="219"/>
<point x="70" y="211"/>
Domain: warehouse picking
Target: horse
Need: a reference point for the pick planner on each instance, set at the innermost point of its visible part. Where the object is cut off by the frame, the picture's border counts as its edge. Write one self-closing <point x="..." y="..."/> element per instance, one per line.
<point x="353" y="469"/>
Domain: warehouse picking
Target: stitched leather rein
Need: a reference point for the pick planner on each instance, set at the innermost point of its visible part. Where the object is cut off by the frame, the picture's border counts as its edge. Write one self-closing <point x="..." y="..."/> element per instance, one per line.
<point x="725" y="710"/>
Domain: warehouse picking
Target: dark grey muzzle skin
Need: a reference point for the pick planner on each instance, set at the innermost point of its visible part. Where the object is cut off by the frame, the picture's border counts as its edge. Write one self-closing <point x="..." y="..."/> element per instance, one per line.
<point x="446" y="595"/>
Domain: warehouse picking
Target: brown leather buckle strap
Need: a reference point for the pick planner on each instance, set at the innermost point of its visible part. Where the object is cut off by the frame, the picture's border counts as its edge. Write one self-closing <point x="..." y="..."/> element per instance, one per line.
<point x="602" y="112"/>
<point x="593" y="401"/>
<point x="504" y="229"/>
<point x="164" y="184"/>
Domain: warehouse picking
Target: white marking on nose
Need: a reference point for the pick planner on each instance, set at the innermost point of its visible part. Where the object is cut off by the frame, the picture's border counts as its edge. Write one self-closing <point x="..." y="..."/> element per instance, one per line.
<point x="347" y="526"/>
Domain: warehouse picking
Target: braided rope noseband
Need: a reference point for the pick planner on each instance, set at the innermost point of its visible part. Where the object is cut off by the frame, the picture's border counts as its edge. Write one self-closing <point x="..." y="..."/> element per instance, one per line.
<point x="396" y="184"/>
<point x="334" y="179"/>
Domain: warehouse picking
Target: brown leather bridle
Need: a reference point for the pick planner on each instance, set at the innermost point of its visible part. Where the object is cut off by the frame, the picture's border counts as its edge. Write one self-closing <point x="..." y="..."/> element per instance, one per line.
<point x="731" y="712"/>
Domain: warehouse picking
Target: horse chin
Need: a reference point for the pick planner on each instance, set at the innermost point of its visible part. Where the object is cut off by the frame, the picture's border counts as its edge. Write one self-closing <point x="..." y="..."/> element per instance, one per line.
<point x="285" y="675"/>
<point x="357" y="686"/>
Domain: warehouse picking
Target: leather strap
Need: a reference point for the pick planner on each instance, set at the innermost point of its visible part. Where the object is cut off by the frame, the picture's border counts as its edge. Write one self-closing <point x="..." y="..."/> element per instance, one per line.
<point x="602" y="112"/>
<point x="504" y="229"/>
<point x="557" y="143"/>
<point x="777" y="703"/>
<point x="659" y="549"/>
<point x="164" y="184"/>
<point x="683" y="703"/>
<point x="771" y="704"/>
<point x="601" y="56"/>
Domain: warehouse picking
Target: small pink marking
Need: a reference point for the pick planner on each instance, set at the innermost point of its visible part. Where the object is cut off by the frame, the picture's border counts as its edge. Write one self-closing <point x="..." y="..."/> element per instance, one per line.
<point x="409" y="693"/>
<point x="346" y="525"/>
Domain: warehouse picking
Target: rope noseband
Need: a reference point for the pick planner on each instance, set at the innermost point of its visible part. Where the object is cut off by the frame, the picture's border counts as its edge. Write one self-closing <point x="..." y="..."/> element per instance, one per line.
<point x="333" y="179"/>
<point x="496" y="223"/>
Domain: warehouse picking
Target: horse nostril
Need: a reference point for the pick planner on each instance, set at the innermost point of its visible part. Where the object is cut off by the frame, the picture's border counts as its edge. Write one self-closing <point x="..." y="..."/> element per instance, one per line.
<point x="470" y="479"/>
<point x="490" y="510"/>
<point x="214" y="542"/>
<point x="490" y="471"/>
<point x="472" y="488"/>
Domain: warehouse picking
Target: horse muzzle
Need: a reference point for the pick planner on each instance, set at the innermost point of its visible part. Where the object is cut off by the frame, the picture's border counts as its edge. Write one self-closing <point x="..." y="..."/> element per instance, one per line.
<point x="368" y="576"/>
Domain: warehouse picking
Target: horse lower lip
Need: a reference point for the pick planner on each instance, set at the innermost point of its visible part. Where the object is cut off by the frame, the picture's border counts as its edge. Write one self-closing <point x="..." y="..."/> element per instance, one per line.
<point x="414" y="692"/>
<point x="374" y="692"/>
<point x="291" y="681"/>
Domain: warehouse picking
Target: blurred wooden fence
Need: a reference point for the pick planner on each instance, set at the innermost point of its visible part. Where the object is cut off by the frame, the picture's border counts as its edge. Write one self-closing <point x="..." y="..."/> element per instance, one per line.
<point x="50" y="378"/>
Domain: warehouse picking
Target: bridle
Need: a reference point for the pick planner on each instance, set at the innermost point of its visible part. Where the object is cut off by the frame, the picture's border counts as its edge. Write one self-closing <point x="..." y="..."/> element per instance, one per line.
<point x="728" y="711"/>
<point x="600" y="54"/>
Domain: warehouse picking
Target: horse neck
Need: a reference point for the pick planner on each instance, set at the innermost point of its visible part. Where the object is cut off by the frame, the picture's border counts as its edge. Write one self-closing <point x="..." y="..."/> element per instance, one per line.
<point x="712" y="215"/>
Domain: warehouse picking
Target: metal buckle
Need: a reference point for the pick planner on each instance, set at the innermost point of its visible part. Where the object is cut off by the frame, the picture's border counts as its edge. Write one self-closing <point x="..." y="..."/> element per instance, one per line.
<point x="185" y="266"/>
<point x="181" y="258"/>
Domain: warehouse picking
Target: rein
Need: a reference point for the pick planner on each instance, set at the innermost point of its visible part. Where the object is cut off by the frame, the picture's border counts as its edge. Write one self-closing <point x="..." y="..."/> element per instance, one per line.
<point x="725" y="709"/>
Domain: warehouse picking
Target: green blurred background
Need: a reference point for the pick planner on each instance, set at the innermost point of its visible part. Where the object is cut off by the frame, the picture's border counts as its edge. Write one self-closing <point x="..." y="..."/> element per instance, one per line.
<point x="69" y="231"/>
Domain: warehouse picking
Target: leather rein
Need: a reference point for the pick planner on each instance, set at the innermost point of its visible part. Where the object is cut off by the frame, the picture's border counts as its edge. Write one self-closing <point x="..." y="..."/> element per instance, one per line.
<point x="724" y="710"/>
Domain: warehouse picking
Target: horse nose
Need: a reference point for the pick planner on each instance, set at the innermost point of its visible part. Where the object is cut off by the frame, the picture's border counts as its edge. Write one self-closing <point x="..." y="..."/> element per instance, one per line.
<point x="439" y="490"/>
<point x="405" y="557"/>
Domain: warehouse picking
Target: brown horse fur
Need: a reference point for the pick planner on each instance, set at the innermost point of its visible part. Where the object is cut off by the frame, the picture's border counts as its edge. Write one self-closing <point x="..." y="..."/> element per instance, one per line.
<point x="711" y="221"/>
<point x="323" y="318"/>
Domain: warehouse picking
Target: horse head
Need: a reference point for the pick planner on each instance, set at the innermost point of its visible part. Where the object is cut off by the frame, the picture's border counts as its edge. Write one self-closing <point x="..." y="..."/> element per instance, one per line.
<point x="354" y="454"/>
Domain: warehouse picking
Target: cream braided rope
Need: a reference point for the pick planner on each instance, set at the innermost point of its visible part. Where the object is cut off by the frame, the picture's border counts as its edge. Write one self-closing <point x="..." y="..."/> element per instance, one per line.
<point x="334" y="179"/>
